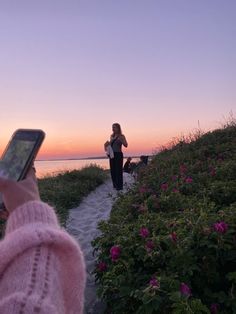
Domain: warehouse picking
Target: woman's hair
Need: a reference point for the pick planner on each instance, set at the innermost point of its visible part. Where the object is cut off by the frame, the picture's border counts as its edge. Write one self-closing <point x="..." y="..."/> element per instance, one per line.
<point x="118" y="127"/>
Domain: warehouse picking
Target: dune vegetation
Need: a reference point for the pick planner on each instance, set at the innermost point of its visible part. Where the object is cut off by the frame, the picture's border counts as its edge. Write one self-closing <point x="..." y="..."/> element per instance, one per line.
<point x="170" y="243"/>
<point x="66" y="190"/>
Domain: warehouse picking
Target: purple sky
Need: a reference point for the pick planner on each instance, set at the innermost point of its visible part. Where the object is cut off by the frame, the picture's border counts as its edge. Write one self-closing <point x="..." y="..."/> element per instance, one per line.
<point x="75" y="67"/>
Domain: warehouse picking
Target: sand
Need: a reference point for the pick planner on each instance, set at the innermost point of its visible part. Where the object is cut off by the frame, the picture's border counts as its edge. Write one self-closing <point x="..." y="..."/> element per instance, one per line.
<point x="82" y="225"/>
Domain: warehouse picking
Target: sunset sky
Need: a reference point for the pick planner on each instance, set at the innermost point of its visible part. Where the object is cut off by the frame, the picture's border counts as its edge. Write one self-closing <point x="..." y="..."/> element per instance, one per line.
<point x="161" y="68"/>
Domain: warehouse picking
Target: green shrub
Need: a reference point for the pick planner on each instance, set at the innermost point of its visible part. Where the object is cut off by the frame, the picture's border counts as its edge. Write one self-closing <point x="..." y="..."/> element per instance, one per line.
<point x="67" y="189"/>
<point x="169" y="245"/>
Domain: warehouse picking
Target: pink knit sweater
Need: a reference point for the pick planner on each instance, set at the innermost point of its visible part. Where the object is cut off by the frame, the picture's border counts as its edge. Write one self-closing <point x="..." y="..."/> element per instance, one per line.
<point x="41" y="267"/>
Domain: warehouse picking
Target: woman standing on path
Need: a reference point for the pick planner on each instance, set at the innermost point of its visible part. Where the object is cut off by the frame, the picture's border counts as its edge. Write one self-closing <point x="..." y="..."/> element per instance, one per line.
<point x="117" y="139"/>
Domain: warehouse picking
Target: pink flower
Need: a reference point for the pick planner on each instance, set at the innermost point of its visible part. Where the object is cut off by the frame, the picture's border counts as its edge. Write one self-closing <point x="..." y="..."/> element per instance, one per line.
<point x="102" y="266"/>
<point x="173" y="237"/>
<point x="175" y="190"/>
<point x="115" y="252"/>
<point x="154" y="283"/>
<point x="149" y="246"/>
<point x="214" y="308"/>
<point x="143" y="189"/>
<point x="212" y="172"/>
<point x="188" y="180"/>
<point x="174" y="178"/>
<point x="164" y="186"/>
<point x="185" y="290"/>
<point x="144" y="232"/>
<point x="220" y="227"/>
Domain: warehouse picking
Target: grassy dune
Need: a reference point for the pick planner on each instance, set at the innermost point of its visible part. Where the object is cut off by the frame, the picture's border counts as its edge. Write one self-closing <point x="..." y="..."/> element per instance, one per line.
<point x="67" y="189"/>
<point x="170" y="243"/>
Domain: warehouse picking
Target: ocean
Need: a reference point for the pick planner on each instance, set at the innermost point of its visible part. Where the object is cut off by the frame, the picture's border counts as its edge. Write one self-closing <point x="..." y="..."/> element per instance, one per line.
<point x="53" y="167"/>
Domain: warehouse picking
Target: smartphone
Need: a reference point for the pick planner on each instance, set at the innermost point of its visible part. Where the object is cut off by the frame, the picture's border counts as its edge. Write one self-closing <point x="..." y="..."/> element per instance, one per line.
<point x="20" y="153"/>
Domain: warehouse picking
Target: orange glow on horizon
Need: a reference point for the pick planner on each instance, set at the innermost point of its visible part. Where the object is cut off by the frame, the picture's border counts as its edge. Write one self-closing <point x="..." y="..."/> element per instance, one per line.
<point x="71" y="144"/>
<point x="66" y="147"/>
<point x="84" y="148"/>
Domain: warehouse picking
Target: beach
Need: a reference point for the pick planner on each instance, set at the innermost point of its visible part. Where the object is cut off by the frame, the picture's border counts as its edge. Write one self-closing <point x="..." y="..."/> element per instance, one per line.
<point x="54" y="167"/>
<point x="82" y="225"/>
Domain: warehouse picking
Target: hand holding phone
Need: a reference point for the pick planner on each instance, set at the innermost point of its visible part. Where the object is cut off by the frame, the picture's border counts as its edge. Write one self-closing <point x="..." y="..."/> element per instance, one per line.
<point x="24" y="191"/>
<point x="20" y="153"/>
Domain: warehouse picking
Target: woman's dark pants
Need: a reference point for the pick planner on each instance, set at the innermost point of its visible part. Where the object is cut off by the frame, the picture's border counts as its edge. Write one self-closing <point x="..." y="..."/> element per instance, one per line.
<point x="116" y="168"/>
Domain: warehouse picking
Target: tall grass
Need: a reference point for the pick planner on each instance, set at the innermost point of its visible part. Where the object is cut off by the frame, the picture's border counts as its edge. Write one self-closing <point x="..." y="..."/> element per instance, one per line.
<point x="66" y="190"/>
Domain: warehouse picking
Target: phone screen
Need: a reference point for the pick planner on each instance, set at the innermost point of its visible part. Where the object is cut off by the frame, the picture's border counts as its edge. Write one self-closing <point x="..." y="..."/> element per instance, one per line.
<point x="16" y="157"/>
<point x="20" y="153"/>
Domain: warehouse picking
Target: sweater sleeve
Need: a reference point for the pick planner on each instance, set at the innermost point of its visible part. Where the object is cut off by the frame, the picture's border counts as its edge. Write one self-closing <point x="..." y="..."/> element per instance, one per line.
<point x="41" y="266"/>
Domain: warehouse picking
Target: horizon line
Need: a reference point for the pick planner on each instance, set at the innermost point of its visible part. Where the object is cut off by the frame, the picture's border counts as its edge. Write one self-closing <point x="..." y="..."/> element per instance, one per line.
<point x="85" y="158"/>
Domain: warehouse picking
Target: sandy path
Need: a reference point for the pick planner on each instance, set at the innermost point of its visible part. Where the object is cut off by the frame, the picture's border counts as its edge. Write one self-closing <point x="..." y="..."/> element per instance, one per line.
<point x="82" y="225"/>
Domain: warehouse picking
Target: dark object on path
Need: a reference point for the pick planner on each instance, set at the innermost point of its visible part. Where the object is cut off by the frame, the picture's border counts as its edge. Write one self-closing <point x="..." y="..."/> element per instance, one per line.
<point x="144" y="159"/>
<point x="141" y="165"/>
<point x="127" y="165"/>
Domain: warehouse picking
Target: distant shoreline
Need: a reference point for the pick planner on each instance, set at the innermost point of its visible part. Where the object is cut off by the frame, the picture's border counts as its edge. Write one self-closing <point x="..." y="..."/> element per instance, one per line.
<point x="85" y="158"/>
<point x="61" y="159"/>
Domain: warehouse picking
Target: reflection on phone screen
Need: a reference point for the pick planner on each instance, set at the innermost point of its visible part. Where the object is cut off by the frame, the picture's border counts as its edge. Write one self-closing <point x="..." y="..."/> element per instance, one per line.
<point x="15" y="158"/>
